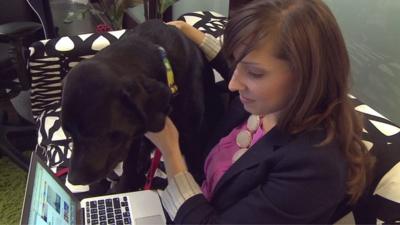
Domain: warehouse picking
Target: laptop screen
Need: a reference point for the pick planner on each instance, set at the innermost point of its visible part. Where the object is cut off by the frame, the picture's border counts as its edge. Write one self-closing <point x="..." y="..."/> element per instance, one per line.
<point x="50" y="203"/>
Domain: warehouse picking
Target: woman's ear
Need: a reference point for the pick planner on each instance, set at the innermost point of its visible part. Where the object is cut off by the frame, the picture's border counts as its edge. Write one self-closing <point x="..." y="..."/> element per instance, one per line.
<point x="150" y="99"/>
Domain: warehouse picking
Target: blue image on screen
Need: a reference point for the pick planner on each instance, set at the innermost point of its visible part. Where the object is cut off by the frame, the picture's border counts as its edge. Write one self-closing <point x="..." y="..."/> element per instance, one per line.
<point x="51" y="204"/>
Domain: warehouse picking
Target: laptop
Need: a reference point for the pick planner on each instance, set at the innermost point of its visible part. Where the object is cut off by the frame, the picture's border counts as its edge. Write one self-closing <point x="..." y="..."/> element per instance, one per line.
<point x="48" y="201"/>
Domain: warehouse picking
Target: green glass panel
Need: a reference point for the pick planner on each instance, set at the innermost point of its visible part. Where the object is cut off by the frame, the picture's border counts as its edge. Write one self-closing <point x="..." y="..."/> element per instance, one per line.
<point x="372" y="32"/>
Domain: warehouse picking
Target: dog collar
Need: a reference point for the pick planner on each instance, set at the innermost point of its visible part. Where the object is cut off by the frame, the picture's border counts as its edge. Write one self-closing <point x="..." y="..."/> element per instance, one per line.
<point x="170" y="74"/>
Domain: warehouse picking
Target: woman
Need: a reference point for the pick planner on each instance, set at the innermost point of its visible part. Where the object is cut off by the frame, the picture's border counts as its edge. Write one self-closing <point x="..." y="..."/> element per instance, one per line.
<point x="288" y="149"/>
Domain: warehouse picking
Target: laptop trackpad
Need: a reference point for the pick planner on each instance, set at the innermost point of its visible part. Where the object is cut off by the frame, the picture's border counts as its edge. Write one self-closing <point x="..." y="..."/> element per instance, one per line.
<point x="149" y="220"/>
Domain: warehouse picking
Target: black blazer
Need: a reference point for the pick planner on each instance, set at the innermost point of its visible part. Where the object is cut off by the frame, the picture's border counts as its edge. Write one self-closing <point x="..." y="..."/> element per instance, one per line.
<point x="282" y="178"/>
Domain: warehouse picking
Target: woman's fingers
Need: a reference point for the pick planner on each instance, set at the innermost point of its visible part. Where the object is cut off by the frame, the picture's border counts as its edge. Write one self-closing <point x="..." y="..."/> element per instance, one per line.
<point x="177" y="23"/>
<point x="167" y="140"/>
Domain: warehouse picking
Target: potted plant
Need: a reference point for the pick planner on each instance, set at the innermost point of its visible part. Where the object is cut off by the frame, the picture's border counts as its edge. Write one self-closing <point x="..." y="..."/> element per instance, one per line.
<point x="114" y="9"/>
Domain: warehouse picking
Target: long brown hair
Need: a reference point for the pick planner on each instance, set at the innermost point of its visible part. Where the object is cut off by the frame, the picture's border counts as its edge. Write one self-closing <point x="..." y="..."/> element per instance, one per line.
<point x="306" y="35"/>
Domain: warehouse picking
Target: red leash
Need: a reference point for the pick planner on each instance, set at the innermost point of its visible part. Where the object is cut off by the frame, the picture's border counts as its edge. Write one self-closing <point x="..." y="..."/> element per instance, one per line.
<point x="62" y="172"/>
<point x="150" y="175"/>
<point x="153" y="167"/>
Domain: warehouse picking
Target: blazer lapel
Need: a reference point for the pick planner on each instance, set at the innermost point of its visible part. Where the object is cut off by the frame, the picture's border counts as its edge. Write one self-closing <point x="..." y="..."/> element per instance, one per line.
<point x="236" y="114"/>
<point x="255" y="155"/>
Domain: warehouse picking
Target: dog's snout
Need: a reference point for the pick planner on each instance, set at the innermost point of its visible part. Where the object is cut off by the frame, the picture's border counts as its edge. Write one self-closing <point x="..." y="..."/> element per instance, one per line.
<point x="78" y="176"/>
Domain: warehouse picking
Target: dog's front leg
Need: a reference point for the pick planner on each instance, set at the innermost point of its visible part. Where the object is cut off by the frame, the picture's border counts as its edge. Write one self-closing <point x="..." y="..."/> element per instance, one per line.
<point x="134" y="169"/>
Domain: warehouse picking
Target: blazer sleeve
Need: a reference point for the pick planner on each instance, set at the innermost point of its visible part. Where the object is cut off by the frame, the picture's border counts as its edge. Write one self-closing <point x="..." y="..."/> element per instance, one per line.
<point x="220" y="64"/>
<point x="301" y="188"/>
<point x="211" y="47"/>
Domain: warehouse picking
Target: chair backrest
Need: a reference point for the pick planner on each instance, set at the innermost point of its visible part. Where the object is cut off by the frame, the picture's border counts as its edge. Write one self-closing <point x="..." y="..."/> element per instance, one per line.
<point x="14" y="79"/>
<point x="29" y="10"/>
<point x="17" y="10"/>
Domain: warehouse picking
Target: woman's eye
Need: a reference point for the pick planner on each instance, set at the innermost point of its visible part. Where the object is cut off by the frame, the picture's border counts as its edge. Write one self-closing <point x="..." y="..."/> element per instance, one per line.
<point x="255" y="74"/>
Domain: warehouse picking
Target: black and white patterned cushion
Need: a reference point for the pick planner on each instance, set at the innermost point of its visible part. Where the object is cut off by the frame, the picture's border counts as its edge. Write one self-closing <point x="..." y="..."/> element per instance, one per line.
<point x="206" y="21"/>
<point x="51" y="60"/>
<point x="381" y="204"/>
<point x="53" y="144"/>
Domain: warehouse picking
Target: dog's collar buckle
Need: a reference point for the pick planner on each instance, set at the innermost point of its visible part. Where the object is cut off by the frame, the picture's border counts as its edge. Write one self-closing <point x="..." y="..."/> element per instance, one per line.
<point x="170" y="74"/>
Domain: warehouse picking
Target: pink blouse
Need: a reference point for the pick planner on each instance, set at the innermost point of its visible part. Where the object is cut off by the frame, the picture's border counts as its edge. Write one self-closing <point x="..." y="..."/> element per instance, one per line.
<point x="220" y="158"/>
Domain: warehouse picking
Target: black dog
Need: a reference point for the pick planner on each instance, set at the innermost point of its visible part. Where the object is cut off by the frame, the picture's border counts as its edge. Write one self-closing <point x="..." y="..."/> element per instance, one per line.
<point x="112" y="99"/>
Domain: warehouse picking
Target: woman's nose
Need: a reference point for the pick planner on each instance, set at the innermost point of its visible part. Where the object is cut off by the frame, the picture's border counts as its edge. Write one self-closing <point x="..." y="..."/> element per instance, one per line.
<point x="235" y="84"/>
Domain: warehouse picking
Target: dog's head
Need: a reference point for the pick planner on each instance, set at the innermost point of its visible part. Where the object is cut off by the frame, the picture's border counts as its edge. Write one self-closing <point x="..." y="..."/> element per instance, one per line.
<point x="104" y="111"/>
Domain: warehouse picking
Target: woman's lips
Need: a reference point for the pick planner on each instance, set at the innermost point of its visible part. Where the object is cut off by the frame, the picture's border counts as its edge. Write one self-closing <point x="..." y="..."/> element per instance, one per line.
<point x="245" y="100"/>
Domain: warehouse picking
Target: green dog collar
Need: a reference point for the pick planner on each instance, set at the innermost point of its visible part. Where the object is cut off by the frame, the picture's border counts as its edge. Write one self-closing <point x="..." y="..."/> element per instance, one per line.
<point x="170" y="74"/>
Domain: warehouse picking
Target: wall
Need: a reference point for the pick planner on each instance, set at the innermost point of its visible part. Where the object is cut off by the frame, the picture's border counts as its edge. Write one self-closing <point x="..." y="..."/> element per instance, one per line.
<point x="372" y="32"/>
<point x="183" y="6"/>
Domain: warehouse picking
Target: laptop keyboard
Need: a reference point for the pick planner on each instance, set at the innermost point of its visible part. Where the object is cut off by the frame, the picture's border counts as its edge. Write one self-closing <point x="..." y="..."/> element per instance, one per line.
<point x="108" y="211"/>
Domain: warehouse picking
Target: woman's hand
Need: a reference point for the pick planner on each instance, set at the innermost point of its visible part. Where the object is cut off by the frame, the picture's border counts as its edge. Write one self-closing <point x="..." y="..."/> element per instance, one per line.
<point x="179" y="24"/>
<point x="192" y="33"/>
<point x="166" y="140"/>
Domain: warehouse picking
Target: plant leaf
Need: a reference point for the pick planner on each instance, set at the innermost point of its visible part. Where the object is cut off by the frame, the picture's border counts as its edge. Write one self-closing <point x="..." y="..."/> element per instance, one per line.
<point x="165" y="4"/>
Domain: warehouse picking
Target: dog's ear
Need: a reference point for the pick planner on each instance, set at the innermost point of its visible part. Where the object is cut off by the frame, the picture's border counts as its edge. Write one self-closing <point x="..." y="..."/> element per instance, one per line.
<point x="150" y="99"/>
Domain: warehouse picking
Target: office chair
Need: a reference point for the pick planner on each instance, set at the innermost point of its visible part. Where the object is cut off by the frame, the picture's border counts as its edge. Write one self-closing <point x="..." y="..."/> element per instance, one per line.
<point x="21" y="23"/>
